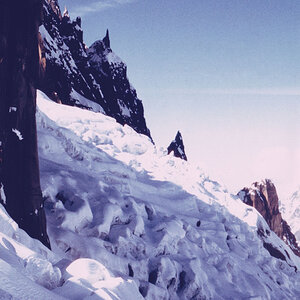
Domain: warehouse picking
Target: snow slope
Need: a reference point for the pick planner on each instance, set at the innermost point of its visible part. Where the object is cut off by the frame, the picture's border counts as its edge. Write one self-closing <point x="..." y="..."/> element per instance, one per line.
<point x="27" y="268"/>
<point x="291" y="211"/>
<point x="157" y="223"/>
<point x="29" y="271"/>
<point x="126" y="221"/>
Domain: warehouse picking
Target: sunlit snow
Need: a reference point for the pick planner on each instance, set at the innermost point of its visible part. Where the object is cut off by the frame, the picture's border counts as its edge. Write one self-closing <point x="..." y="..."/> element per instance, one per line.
<point x="126" y="221"/>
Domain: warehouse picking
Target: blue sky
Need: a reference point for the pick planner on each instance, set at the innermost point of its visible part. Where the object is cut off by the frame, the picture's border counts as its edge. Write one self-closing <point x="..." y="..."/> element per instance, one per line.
<point x="225" y="73"/>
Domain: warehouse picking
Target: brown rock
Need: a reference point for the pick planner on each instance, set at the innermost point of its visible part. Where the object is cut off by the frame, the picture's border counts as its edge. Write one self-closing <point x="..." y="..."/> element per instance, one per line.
<point x="263" y="197"/>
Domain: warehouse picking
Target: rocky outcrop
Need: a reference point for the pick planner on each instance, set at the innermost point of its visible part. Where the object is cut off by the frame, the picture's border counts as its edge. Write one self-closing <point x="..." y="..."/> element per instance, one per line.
<point x="20" y="190"/>
<point x="177" y="147"/>
<point x="121" y="101"/>
<point x="93" y="78"/>
<point x="263" y="196"/>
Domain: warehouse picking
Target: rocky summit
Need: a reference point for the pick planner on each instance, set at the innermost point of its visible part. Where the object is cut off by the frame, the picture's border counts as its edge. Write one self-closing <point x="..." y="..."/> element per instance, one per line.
<point x="94" y="78"/>
<point x="263" y="196"/>
<point x="177" y="147"/>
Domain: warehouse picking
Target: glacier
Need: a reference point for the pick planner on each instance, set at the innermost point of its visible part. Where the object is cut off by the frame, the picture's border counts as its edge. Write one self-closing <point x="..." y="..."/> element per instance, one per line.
<point x="128" y="221"/>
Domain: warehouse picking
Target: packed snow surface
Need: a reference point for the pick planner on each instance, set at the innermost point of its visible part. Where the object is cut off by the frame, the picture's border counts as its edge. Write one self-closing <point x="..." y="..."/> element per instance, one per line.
<point x="127" y="221"/>
<point x="81" y="101"/>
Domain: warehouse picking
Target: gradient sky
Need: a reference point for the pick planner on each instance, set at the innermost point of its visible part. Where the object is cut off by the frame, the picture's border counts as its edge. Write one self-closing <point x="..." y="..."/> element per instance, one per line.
<point x="225" y="73"/>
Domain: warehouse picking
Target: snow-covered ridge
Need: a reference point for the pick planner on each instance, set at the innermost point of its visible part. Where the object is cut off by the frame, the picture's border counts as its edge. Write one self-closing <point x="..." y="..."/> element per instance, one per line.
<point x="153" y="220"/>
<point x="291" y="211"/>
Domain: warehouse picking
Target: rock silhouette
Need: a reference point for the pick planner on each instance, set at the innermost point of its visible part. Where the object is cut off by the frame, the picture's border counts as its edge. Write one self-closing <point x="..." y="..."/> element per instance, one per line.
<point x="19" y="74"/>
<point x="75" y="71"/>
<point x="177" y="147"/>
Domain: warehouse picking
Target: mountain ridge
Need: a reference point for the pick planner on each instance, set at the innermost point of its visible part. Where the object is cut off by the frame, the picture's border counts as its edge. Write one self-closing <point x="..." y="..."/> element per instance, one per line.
<point x="74" y="71"/>
<point x="125" y="219"/>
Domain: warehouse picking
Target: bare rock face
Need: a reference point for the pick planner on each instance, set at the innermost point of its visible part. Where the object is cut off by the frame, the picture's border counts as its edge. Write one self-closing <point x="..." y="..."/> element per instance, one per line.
<point x="93" y="78"/>
<point x="177" y="147"/>
<point x="120" y="98"/>
<point x="20" y="190"/>
<point x="263" y="196"/>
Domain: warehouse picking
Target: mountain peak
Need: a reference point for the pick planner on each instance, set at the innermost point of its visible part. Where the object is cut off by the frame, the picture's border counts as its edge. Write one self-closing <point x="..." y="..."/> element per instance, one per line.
<point x="93" y="78"/>
<point x="177" y="147"/>
<point x="106" y="39"/>
<point x="66" y="13"/>
<point x="263" y="197"/>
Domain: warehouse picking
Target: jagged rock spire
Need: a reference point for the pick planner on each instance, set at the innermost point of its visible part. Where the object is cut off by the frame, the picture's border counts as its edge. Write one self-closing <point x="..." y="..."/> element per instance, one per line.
<point x="177" y="147"/>
<point x="263" y="196"/>
<point x="66" y="13"/>
<point x="96" y="73"/>
<point x="106" y="39"/>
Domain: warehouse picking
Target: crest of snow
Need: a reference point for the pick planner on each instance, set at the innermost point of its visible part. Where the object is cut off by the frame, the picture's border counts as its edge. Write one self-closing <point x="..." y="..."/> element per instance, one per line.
<point x="86" y="277"/>
<point x="88" y="269"/>
<point x="18" y="133"/>
<point x="155" y="218"/>
<point x="81" y="100"/>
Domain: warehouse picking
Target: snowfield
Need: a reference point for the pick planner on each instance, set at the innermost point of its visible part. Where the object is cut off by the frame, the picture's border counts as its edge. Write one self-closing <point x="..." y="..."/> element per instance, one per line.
<point x="126" y="222"/>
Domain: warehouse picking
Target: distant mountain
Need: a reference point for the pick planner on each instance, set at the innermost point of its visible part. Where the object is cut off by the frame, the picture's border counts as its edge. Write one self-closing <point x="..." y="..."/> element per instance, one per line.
<point x="177" y="148"/>
<point x="291" y="212"/>
<point x="263" y="196"/>
<point x="93" y="78"/>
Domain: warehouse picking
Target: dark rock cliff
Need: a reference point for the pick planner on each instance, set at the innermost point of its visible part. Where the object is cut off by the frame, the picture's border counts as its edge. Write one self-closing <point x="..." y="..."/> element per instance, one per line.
<point x="177" y="147"/>
<point x="120" y="97"/>
<point x="20" y="190"/>
<point x="263" y="196"/>
<point x="92" y="78"/>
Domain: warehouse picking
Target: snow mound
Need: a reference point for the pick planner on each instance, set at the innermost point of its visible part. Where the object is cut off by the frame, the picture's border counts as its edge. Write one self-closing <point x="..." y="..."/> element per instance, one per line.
<point x="27" y="268"/>
<point x="91" y="280"/>
<point x="141" y="224"/>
